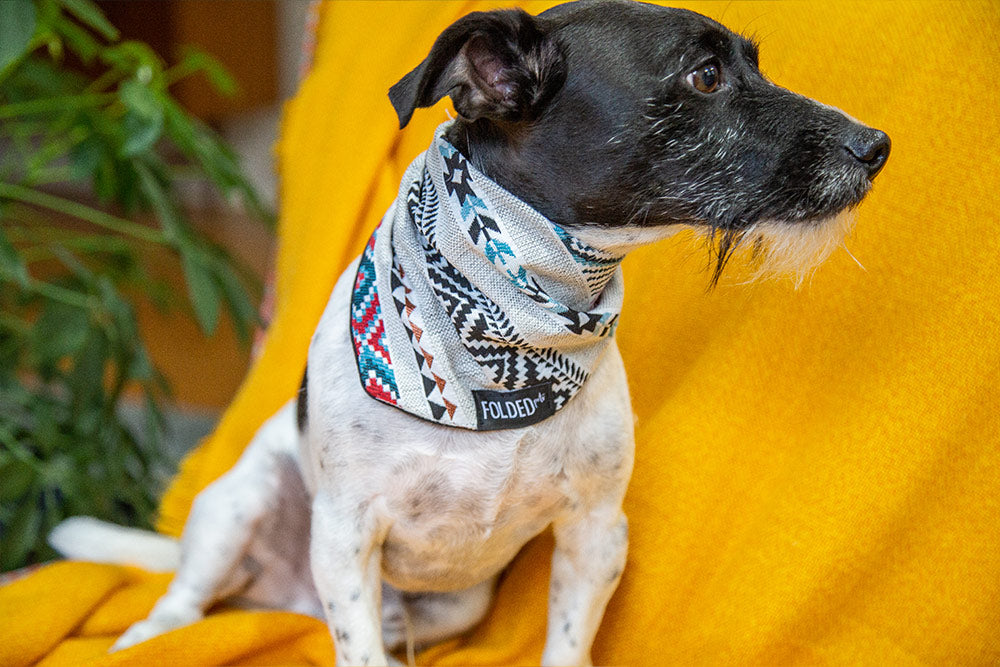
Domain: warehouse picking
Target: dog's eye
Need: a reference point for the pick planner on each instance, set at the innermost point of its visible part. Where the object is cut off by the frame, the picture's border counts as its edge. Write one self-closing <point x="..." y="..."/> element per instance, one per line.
<point x="706" y="78"/>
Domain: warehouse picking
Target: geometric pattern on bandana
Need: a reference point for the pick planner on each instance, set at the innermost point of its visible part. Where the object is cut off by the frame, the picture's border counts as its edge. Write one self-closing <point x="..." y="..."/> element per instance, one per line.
<point x="487" y="293"/>
<point x="598" y="266"/>
<point x="368" y="333"/>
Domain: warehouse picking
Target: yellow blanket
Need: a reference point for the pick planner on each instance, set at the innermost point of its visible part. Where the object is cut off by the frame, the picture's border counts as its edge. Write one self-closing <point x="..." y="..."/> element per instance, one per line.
<point x="818" y="472"/>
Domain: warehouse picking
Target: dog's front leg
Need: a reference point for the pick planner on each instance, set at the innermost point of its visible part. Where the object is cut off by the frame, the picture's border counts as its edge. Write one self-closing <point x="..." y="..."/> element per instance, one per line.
<point x="587" y="563"/>
<point x="346" y="560"/>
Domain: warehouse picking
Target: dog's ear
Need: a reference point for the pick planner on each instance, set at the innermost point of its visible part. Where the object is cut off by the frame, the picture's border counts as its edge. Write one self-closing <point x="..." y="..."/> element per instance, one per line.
<point x="499" y="65"/>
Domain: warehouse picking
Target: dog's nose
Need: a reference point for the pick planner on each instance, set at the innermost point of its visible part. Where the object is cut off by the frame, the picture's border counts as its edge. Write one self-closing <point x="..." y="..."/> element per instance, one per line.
<point x="870" y="147"/>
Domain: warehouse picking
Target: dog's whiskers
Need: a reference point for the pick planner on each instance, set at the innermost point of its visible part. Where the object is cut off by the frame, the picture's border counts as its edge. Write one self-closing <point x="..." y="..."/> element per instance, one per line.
<point x="851" y="255"/>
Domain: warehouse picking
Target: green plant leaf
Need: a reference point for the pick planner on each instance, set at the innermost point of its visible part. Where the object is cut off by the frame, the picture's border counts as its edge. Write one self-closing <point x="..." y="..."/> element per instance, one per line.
<point x="143" y="121"/>
<point x="141" y="367"/>
<point x="141" y="132"/>
<point x="91" y="16"/>
<point x="202" y="291"/>
<point x="16" y="477"/>
<point x="151" y="183"/>
<point x="38" y="78"/>
<point x="78" y="210"/>
<point x="154" y="421"/>
<point x="21" y="534"/>
<point x="132" y="56"/>
<point x="85" y="158"/>
<point x="240" y="306"/>
<point x="17" y="26"/>
<point x="61" y="330"/>
<point x="11" y="263"/>
<point x="86" y="381"/>
<point x="123" y="333"/>
<point x="194" y="60"/>
<point x="80" y="42"/>
<point x="202" y="146"/>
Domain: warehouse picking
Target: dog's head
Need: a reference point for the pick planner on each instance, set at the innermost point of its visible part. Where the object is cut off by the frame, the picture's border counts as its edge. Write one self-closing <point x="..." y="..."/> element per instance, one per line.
<point x="631" y="120"/>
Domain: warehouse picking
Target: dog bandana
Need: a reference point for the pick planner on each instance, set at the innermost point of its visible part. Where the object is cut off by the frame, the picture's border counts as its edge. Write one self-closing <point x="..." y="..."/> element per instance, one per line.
<point x="470" y="308"/>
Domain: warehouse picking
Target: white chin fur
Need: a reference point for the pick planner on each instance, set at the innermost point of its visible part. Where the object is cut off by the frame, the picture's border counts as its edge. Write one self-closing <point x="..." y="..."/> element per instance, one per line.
<point x="793" y="250"/>
<point x="768" y="249"/>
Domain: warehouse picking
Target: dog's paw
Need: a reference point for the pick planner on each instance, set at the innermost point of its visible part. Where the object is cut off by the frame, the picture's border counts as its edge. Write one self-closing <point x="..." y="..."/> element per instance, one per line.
<point x="151" y="627"/>
<point x="136" y="634"/>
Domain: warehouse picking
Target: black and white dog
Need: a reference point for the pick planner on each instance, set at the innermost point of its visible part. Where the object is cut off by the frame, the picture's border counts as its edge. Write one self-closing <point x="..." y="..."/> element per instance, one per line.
<point x="616" y="122"/>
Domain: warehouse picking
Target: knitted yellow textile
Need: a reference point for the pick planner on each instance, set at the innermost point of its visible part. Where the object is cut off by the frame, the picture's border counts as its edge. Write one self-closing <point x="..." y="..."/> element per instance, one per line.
<point x="818" y="472"/>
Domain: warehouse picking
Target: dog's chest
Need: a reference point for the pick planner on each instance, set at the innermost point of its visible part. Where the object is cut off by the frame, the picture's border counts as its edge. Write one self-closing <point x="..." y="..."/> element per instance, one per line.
<point x="458" y="516"/>
<point x="457" y="505"/>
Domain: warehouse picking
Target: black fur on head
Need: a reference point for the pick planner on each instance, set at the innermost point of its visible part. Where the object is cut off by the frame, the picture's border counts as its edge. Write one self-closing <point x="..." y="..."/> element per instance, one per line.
<point x="606" y="114"/>
<point x="494" y="65"/>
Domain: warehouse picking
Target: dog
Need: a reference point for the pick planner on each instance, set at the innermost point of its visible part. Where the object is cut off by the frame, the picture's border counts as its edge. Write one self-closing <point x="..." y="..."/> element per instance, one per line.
<point x="619" y="123"/>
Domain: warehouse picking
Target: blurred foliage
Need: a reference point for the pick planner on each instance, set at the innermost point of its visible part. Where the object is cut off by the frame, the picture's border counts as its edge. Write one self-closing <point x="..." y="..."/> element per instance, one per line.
<point x="82" y="111"/>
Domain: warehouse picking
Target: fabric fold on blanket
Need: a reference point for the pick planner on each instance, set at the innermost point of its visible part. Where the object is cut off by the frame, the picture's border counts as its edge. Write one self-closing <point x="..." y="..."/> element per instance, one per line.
<point x="816" y="470"/>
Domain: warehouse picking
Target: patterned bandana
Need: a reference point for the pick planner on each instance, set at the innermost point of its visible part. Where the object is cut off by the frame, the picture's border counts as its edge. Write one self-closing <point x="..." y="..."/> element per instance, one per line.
<point x="496" y="315"/>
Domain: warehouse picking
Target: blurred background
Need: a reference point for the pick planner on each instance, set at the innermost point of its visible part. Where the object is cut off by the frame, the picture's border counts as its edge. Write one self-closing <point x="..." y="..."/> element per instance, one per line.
<point x="137" y="199"/>
<point x="261" y="43"/>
